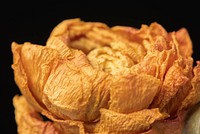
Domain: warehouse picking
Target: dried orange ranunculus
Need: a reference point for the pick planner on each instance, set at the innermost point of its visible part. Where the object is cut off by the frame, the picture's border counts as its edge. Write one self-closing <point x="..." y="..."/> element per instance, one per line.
<point x="91" y="78"/>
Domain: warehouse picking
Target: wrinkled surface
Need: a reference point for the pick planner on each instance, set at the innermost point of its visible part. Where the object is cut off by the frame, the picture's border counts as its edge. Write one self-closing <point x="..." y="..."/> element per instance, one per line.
<point x="128" y="95"/>
<point x="129" y="123"/>
<point x="31" y="122"/>
<point x="91" y="78"/>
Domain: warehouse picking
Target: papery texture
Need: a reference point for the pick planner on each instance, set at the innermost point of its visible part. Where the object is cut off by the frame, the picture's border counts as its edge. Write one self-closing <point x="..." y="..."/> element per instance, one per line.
<point x="92" y="78"/>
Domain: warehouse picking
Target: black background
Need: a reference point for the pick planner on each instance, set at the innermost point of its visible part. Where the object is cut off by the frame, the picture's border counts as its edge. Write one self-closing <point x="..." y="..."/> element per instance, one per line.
<point x="33" y="22"/>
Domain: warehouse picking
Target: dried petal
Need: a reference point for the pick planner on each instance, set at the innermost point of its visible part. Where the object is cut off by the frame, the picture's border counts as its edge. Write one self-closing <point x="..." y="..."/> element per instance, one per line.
<point x="185" y="43"/>
<point x="168" y="126"/>
<point x="80" y="101"/>
<point x="128" y="95"/>
<point x="113" y="122"/>
<point x="29" y="121"/>
<point x="22" y="79"/>
<point x="176" y="84"/>
<point x="193" y="96"/>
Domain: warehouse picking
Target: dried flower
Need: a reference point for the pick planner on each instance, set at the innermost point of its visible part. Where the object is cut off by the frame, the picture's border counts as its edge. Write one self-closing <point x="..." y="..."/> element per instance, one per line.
<point x="91" y="78"/>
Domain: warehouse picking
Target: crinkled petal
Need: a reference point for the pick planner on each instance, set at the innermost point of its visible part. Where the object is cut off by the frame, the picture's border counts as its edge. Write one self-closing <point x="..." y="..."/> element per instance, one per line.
<point x="21" y="77"/>
<point x="185" y="43"/>
<point x="80" y="100"/>
<point x="113" y="122"/>
<point x="30" y="121"/>
<point x="168" y="126"/>
<point x="133" y="92"/>
<point x="193" y="96"/>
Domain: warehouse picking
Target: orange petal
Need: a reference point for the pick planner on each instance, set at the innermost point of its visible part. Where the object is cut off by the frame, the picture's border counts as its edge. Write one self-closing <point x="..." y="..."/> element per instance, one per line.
<point x="193" y="96"/>
<point x="113" y="122"/>
<point x="80" y="100"/>
<point x="185" y="43"/>
<point x="133" y="92"/>
<point x="29" y="121"/>
<point x="22" y="79"/>
<point x="168" y="126"/>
